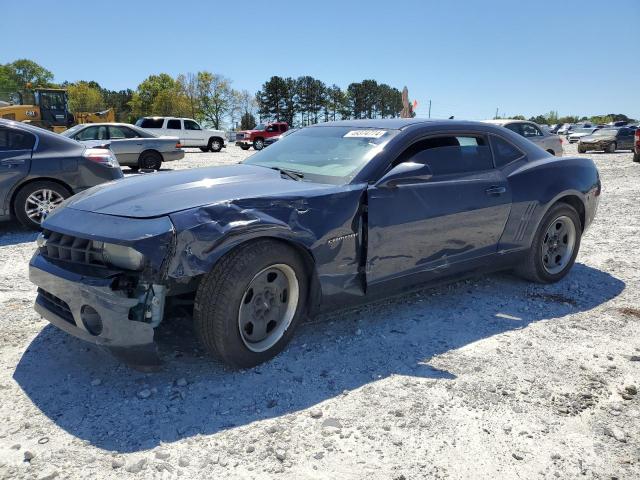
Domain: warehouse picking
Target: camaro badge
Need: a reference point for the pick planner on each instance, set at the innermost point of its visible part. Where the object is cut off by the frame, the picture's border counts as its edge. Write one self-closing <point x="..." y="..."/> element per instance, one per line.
<point x="334" y="241"/>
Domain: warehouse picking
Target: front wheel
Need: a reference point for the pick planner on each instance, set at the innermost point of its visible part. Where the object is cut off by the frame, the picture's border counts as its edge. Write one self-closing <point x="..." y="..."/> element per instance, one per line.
<point x="247" y="308"/>
<point x="36" y="200"/>
<point x="554" y="247"/>
<point x="244" y="147"/>
<point x="581" y="149"/>
<point x="258" y="144"/>
<point x="611" y="148"/>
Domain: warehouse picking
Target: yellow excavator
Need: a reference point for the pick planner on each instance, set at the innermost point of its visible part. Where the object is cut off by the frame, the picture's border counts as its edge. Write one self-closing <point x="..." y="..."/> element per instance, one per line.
<point x="48" y="108"/>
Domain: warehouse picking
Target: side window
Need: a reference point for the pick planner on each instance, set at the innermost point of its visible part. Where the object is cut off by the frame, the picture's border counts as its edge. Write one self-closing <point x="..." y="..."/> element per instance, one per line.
<point x="514" y="127"/>
<point x="503" y="152"/>
<point x="283" y="128"/>
<point x="151" y="122"/>
<point x="15" y="140"/>
<point x="174" y="124"/>
<point x="92" y="133"/>
<point x="450" y="154"/>
<point x="117" y="133"/>
<point x="529" y="130"/>
<point x="272" y="128"/>
<point x="191" y="125"/>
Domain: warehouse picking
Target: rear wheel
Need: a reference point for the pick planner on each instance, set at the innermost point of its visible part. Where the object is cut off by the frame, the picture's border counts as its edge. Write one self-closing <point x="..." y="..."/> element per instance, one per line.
<point x="244" y="147"/>
<point x="612" y="147"/>
<point x="204" y="149"/>
<point x="554" y="247"/>
<point x="258" y="144"/>
<point x="150" y="160"/>
<point x="36" y="200"/>
<point x="215" y="145"/>
<point x="581" y="149"/>
<point x="247" y="308"/>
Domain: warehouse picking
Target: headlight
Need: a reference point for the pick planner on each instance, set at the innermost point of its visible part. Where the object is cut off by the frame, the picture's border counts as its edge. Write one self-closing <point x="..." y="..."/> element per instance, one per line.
<point x="121" y="256"/>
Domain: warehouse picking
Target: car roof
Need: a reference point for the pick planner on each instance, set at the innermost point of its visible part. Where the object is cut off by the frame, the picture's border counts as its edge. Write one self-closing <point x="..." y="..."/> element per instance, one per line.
<point x="504" y="121"/>
<point x="114" y="124"/>
<point x="386" y="123"/>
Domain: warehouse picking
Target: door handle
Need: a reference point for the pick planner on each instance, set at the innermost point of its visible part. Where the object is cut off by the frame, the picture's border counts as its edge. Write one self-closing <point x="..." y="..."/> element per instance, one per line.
<point x="495" y="191"/>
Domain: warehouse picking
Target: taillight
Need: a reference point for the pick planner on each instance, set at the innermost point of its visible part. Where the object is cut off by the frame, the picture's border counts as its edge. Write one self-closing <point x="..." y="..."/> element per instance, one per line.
<point x="103" y="156"/>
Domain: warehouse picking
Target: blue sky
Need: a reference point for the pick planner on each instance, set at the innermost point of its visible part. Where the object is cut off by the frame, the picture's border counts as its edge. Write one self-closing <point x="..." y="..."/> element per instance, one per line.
<point x="469" y="57"/>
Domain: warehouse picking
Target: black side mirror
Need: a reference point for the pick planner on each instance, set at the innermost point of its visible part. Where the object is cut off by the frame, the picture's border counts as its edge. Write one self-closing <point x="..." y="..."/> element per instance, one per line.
<point x="406" y="173"/>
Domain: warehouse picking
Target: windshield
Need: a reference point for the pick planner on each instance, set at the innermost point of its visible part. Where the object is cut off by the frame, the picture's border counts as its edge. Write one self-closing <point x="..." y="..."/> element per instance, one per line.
<point x="583" y="130"/>
<point x="324" y="154"/>
<point x="259" y="127"/>
<point x="608" y="132"/>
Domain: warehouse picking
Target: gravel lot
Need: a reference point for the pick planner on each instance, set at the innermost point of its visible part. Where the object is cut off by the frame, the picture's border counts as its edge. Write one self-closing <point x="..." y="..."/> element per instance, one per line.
<point x="487" y="378"/>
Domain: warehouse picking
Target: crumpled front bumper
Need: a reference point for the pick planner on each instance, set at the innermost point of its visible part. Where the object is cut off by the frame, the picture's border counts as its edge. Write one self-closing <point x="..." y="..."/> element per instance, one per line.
<point x="64" y="297"/>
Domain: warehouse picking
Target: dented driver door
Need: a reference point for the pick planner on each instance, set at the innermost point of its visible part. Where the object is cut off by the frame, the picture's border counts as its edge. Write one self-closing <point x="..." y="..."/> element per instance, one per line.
<point x="456" y="216"/>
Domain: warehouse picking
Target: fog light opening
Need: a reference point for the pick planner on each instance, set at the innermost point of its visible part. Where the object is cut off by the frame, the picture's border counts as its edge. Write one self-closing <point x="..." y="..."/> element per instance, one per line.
<point x="91" y="320"/>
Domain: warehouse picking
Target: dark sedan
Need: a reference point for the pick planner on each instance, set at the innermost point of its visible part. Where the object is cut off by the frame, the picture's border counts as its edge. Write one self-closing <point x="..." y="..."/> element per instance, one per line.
<point x="39" y="169"/>
<point x="331" y="215"/>
<point x="608" y="140"/>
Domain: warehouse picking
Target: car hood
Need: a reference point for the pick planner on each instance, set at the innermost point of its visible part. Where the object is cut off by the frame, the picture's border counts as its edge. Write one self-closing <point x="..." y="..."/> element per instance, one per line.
<point x="157" y="194"/>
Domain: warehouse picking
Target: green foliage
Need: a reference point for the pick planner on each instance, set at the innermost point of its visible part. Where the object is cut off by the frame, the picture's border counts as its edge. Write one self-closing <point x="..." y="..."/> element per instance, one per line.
<point x="215" y="97"/>
<point x="247" y="121"/>
<point x="84" y="97"/>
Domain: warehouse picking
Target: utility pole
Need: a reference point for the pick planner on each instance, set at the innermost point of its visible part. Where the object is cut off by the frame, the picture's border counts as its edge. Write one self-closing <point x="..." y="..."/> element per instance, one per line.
<point x="429" y="108"/>
<point x="496" y="114"/>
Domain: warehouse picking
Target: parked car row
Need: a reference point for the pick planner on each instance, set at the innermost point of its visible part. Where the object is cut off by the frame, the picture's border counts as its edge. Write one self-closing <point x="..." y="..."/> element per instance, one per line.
<point x="533" y="132"/>
<point x="608" y="140"/>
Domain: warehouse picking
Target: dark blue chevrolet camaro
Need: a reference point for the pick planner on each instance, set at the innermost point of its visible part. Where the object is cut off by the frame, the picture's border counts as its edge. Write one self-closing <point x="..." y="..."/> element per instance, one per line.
<point x="331" y="215"/>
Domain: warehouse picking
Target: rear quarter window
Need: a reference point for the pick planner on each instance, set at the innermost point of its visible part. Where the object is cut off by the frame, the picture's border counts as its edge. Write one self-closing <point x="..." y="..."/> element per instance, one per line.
<point x="151" y="123"/>
<point x="16" y="140"/>
<point x="504" y="152"/>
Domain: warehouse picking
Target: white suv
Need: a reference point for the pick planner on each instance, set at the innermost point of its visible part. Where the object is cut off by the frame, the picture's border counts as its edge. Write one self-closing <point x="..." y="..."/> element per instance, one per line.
<point x="190" y="133"/>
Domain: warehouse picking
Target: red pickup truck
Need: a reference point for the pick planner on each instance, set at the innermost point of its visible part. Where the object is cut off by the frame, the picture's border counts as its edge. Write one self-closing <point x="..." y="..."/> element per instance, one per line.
<point x="255" y="138"/>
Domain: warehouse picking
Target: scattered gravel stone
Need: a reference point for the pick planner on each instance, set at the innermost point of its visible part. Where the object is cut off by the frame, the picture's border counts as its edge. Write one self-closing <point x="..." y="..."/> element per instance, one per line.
<point x="271" y="429"/>
<point x="250" y="449"/>
<point x="48" y="475"/>
<point x="281" y="454"/>
<point x="162" y="454"/>
<point x="631" y="389"/>
<point x="145" y="393"/>
<point x="315" y="413"/>
<point x="28" y="456"/>
<point x="517" y="456"/>
<point x="616" y="433"/>
<point x="183" y="462"/>
<point x="331" y="423"/>
<point x="136" y="466"/>
<point x="117" y="463"/>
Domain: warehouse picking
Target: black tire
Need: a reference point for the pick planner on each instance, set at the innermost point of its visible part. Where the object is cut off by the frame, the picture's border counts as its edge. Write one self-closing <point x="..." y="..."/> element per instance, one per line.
<point x="258" y="144"/>
<point x="245" y="147"/>
<point x="150" y="160"/>
<point x="223" y="291"/>
<point x="611" y="148"/>
<point x="636" y="157"/>
<point x="215" y="145"/>
<point x="204" y="149"/>
<point x="581" y="149"/>
<point x="21" y="202"/>
<point x="551" y="152"/>
<point x="532" y="267"/>
<point x="134" y="168"/>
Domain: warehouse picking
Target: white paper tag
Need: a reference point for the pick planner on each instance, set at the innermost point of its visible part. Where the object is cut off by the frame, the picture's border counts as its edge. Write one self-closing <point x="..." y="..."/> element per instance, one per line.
<point x="365" y="134"/>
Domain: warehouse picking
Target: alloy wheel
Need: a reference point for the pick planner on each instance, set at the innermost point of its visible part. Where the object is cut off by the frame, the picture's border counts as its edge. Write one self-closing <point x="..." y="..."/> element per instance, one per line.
<point x="41" y="202"/>
<point x="268" y="306"/>
<point x="558" y="244"/>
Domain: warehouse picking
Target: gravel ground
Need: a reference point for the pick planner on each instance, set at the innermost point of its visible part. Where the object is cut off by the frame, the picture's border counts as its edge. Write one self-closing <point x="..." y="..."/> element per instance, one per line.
<point x="488" y="378"/>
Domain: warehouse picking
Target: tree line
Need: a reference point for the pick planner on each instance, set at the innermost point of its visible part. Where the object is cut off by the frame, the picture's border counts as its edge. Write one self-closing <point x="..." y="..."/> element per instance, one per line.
<point x="552" y="118"/>
<point x="307" y="100"/>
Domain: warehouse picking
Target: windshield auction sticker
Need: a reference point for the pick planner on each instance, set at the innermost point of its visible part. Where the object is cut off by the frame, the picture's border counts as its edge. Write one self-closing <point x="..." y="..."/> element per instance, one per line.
<point x="365" y="134"/>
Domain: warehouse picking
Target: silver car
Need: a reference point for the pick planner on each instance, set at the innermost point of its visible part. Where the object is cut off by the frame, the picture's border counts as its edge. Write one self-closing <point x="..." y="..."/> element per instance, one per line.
<point x="532" y="131"/>
<point x="133" y="146"/>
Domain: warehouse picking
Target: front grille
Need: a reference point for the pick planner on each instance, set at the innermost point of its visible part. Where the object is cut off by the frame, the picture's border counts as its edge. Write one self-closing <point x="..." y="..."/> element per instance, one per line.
<point x="72" y="249"/>
<point x="56" y="305"/>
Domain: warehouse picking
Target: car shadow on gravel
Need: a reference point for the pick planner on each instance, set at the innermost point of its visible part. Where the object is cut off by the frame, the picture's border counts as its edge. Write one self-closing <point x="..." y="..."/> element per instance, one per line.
<point x="87" y="393"/>
<point x="12" y="233"/>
